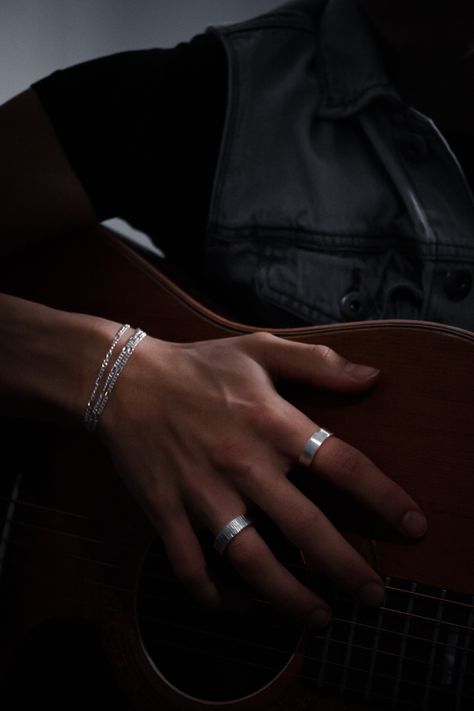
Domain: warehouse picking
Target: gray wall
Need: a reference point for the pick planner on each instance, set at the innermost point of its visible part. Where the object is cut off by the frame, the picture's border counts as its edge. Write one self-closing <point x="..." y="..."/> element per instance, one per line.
<point x="39" y="36"/>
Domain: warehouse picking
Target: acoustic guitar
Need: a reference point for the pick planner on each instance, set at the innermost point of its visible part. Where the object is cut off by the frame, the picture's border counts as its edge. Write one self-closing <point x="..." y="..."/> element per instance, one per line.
<point x="76" y="546"/>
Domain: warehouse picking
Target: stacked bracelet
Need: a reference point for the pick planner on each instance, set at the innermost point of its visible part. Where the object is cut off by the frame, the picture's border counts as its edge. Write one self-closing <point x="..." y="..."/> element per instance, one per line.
<point x="98" y="400"/>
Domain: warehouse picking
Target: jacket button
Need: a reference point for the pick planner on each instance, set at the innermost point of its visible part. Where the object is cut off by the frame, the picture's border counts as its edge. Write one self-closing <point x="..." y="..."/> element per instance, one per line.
<point x="353" y="306"/>
<point x="457" y="284"/>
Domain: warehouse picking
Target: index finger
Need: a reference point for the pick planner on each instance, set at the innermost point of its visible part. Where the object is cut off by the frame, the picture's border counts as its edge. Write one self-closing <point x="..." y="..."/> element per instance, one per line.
<point x="319" y="365"/>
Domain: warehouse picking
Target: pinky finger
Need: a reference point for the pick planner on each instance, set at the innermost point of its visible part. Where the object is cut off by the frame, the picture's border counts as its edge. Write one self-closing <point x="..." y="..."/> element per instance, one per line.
<point x="188" y="562"/>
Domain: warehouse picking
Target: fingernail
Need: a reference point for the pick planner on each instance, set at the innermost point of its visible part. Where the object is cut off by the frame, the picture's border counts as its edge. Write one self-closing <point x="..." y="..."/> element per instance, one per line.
<point x="372" y="594"/>
<point x="414" y="523"/>
<point x="320" y="617"/>
<point x="361" y="372"/>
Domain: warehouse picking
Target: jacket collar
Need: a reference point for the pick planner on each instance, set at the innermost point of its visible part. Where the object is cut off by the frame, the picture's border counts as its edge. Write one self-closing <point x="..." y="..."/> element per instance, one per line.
<point x="349" y="62"/>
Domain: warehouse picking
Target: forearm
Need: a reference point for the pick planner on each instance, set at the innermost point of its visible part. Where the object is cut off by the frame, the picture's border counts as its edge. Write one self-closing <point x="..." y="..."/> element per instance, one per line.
<point x="41" y="195"/>
<point x="49" y="359"/>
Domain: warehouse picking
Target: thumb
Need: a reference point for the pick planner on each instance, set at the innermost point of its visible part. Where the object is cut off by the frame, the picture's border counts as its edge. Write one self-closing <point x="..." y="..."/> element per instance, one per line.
<point x="317" y="364"/>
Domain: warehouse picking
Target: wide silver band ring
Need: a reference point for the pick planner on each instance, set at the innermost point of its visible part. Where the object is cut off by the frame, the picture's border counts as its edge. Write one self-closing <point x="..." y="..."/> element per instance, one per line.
<point x="229" y="532"/>
<point x="312" y="445"/>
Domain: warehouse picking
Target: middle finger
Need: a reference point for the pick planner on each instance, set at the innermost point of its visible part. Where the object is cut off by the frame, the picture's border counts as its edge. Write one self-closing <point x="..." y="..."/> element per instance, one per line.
<point x="320" y="542"/>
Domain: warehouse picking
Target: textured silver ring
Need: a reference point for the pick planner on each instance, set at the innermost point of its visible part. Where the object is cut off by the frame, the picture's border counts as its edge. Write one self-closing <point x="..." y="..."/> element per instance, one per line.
<point x="229" y="531"/>
<point x="312" y="445"/>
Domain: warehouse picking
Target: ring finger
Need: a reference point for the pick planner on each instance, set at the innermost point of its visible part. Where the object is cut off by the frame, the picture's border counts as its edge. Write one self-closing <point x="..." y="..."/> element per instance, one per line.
<point x="256" y="563"/>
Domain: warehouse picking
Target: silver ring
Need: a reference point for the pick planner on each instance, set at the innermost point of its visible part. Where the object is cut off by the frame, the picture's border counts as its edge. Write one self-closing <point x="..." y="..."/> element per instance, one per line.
<point x="229" y="531"/>
<point x="312" y="445"/>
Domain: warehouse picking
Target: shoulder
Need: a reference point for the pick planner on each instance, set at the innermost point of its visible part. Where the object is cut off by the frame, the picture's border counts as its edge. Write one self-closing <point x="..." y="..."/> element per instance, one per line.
<point x="135" y="70"/>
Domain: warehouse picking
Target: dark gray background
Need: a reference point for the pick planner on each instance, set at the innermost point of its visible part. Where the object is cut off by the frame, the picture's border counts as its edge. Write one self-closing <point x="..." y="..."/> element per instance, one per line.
<point x="38" y="36"/>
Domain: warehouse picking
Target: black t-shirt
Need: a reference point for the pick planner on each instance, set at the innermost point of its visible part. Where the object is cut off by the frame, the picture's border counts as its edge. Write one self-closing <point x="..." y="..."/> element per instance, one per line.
<point x="142" y="131"/>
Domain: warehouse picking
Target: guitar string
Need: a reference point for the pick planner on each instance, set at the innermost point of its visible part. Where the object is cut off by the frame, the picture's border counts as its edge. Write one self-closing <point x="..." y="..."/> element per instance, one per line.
<point x="311" y="635"/>
<point x="397" y="633"/>
<point x="33" y="504"/>
<point x="435" y="620"/>
<point x="298" y="568"/>
<point x="427" y="596"/>
<point x="307" y="677"/>
<point x="415" y="637"/>
<point x="315" y="659"/>
<point x="84" y="538"/>
<point x="400" y="590"/>
<point x="335" y="618"/>
<point x="389" y="677"/>
<point x="382" y="608"/>
<point x="378" y="696"/>
<point x="464" y="662"/>
<point x="430" y="597"/>
<point x="348" y="667"/>
<point x="396" y="655"/>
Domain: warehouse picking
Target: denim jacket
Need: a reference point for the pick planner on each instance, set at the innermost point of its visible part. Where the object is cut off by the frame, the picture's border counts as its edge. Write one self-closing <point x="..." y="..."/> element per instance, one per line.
<point x="333" y="199"/>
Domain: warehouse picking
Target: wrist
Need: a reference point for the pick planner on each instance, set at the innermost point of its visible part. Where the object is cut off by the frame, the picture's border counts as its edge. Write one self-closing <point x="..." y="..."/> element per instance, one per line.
<point x="141" y="388"/>
<point x="88" y="339"/>
<point x="49" y="359"/>
<point x="115" y="360"/>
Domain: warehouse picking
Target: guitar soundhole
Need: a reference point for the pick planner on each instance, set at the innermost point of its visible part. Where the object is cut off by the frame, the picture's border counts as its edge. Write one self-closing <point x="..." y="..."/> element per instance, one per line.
<point x="212" y="656"/>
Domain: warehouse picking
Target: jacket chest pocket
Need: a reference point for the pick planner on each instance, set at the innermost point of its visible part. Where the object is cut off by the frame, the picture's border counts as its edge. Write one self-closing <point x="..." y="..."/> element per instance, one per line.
<point x="355" y="280"/>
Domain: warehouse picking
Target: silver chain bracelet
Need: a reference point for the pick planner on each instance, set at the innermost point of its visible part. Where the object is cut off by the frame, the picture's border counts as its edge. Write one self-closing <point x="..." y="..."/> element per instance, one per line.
<point x="97" y="403"/>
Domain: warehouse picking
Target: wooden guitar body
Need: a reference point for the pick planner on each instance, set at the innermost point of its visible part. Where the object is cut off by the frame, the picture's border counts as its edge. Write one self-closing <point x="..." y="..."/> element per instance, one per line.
<point x="76" y="545"/>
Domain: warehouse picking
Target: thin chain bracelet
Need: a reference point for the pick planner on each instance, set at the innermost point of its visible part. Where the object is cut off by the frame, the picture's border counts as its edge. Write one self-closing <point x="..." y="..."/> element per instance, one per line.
<point x="123" y="329"/>
<point x="122" y="359"/>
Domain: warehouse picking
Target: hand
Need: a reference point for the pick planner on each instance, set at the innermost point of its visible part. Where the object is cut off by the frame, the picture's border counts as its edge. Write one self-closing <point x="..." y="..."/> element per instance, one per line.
<point x="199" y="434"/>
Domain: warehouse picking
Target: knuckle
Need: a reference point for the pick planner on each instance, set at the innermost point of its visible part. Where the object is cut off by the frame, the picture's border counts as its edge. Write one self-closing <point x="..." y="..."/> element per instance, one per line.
<point x="265" y="337"/>
<point x="233" y="463"/>
<point x="261" y="338"/>
<point x="264" y="416"/>
<point x="233" y="460"/>
<point x="245" y="469"/>
<point x="224" y="454"/>
<point x="248" y="478"/>
<point x="325" y="354"/>
<point x="260" y="422"/>
<point x="270" y="414"/>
